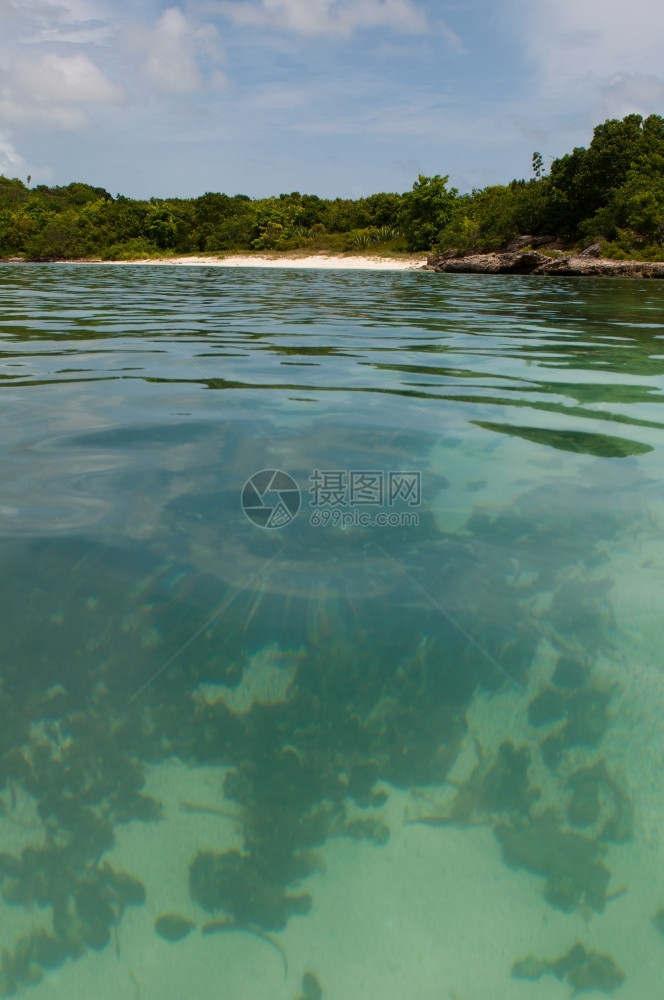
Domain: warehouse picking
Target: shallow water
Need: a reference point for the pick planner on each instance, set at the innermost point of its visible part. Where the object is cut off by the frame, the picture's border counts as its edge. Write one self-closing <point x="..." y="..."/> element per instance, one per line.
<point x="410" y="730"/>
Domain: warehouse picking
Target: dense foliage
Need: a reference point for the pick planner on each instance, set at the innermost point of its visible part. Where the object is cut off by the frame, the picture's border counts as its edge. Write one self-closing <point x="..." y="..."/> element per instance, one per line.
<point x="612" y="193"/>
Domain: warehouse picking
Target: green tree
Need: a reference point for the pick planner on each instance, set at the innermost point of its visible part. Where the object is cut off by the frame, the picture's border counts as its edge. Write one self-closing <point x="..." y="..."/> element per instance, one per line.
<point x="160" y="227"/>
<point x="583" y="181"/>
<point x="491" y="217"/>
<point x="233" y="233"/>
<point x="426" y="210"/>
<point x="538" y="165"/>
<point x="383" y="208"/>
<point x="635" y="206"/>
<point x="12" y="192"/>
<point x="62" y="235"/>
<point x="274" y="221"/>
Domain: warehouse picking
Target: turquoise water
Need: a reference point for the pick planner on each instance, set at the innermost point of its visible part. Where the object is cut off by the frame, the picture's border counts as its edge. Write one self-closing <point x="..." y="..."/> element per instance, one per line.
<point x="406" y="738"/>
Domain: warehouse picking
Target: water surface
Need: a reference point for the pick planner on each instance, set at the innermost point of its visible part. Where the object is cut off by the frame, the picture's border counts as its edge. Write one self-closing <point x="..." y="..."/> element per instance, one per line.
<point x="359" y="737"/>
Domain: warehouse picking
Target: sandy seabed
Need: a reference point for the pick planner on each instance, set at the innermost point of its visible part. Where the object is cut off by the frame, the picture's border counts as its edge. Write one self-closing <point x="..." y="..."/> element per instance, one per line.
<point x="434" y="914"/>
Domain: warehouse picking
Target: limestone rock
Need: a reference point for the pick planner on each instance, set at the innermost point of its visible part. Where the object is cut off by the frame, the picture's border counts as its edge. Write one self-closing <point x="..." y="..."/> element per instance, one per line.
<point x="532" y="262"/>
<point x="521" y="242"/>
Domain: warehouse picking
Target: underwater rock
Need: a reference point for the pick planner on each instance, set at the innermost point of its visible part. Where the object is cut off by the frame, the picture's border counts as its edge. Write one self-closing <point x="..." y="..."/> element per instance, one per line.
<point x="173" y="927"/>
<point x="126" y="806"/>
<point x="497" y="786"/>
<point x="92" y="836"/>
<point x="361" y="779"/>
<point x="658" y="920"/>
<point x="619" y="827"/>
<point x="569" y="674"/>
<point x="86" y="900"/>
<point x="584" y="970"/>
<point x="548" y="706"/>
<point x="284" y="817"/>
<point x="553" y="751"/>
<point x="23" y="966"/>
<point x="127" y="888"/>
<point x="94" y="912"/>
<point x="505" y="787"/>
<point x="232" y="882"/>
<point x="47" y="951"/>
<point x="311" y="988"/>
<point x="17" y="968"/>
<point x="587" y="718"/>
<point x="569" y="861"/>
<point x="368" y="829"/>
<point x="421" y="745"/>
<point x="584" y="805"/>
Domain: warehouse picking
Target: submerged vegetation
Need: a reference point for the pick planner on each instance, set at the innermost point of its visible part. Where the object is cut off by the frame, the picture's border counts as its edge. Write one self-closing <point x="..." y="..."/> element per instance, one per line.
<point x="583" y="970"/>
<point x="611" y="194"/>
<point x="318" y="762"/>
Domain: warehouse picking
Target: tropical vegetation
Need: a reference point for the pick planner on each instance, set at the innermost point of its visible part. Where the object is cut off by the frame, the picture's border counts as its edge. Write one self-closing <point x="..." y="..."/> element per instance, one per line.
<point x="611" y="193"/>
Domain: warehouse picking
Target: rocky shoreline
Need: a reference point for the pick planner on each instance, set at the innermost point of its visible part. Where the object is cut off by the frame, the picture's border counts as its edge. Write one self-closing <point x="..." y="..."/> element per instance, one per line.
<point x="533" y="262"/>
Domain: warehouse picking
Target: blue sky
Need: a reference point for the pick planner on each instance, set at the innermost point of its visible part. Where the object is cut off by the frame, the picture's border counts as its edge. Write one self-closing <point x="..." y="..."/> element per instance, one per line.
<point x="332" y="97"/>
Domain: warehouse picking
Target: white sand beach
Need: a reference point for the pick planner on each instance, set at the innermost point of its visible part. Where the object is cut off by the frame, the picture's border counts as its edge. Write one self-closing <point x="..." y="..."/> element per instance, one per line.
<point x="322" y="261"/>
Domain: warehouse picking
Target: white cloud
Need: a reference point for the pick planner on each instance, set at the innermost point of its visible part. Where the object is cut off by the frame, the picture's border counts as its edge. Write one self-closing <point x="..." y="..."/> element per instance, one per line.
<point x="10" y="160"/>
<point x="42" y="84"/>
<point x="626" y="93"/>
<point x="79" y="21"/>
<point x="53" y="90"/>
<point x="328" y="17"/>
<point x="592" y="41"/>
<point x="7" y="11"/>
<point x="69" y="79"/>
<point x="12" y="164"/>
<point x="15" y="111"/>
<point x="589" y="60"/>
<point x="173" y="51"/>
<point x="275" y="97"/>
<point x="452" y="40"/>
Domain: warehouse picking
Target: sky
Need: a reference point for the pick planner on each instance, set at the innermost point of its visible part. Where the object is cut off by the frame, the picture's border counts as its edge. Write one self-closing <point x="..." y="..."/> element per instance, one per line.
<point x="329" y="97"/>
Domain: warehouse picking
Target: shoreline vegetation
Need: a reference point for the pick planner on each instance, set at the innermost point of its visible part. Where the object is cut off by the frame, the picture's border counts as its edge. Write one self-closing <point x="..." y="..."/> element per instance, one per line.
<point x="594" y="211"/>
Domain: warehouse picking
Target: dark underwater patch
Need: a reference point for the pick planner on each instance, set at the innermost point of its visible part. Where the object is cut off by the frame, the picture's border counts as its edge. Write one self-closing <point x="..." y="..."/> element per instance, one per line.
<point x="580" y="442"/>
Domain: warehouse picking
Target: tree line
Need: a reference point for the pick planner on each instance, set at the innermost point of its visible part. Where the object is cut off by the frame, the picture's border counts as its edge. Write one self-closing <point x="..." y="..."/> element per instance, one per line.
<point x="611" y="192"/>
